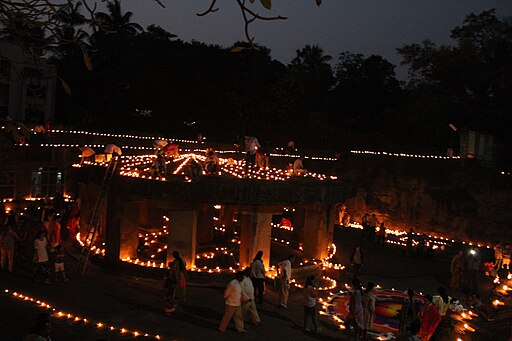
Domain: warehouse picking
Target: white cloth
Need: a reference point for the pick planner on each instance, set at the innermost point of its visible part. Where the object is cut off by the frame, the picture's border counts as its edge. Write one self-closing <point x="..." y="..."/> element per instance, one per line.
<point x="251" y="145"/>
<point x="160" y="143"/>
<point x="212" y="159"/>
<point x="87" y="151"/>
<point x="233" y="293"/>
<point x="358" y="307"/>
<point x="298" y="167"/>
<point x="440" y="304"/>
<point x="257" y="269"/>
<point x="286" y="265"/>
<point x="112" y="148"/>
<point x="247" y="288"/>
<point x="40" y="248"/>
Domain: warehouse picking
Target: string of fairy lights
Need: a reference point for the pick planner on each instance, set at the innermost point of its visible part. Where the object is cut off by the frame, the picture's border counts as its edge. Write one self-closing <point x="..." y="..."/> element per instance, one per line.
<point x="399" y="238"/>
<point x="188" y="141"/>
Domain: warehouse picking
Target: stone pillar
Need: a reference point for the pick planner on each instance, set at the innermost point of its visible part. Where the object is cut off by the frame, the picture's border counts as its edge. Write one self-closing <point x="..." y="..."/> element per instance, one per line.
<point x="318" y="231"/>
<point x="255" y="236"/>
<point x="298" y="224"/>
<point x="205" y="225"/>
<point x="226" y="215"/>
<point x="129" y="231"/>
<point x="182" y="236"/>
<point x="114" y="208"/>
<point x="143" y="209"/>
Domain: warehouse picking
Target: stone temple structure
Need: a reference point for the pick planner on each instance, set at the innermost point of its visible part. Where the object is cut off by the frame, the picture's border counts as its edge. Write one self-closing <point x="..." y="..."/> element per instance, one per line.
<point x="135" y="202"/>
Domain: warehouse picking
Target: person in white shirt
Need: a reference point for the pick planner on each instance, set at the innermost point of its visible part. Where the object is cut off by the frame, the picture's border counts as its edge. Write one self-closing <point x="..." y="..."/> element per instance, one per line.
<point x="249" y="305"/>
<point x="212" y="163"/>
<point x="258" y="276"/>
<point x="41" y="256"/>
<point x="298" y="167"/>
<point x="234" y="297"/>
<point x="251" y="146"/>
<point x="284" y="273"/>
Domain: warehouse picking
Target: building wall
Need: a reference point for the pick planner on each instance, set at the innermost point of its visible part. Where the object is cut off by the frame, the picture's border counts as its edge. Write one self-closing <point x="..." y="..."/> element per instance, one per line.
<point x="27" y="85"/>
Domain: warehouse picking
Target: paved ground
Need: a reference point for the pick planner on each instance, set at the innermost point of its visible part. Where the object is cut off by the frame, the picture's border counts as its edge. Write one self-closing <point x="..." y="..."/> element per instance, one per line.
<point x="135" y="302"/>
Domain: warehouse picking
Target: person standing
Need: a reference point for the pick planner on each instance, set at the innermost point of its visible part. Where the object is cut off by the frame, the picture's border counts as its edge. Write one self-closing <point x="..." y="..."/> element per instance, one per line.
<point x="310" y="304"/>
<point x="258" y="276"/>
<point x="505" y="254"/>
<point x="356" y="261"/>
<point x="430" y="319"/>
<point x="355" y="308"/>
<point x="53" y="229"/>
<point x="368" y="309"/>
<point x="364" y="223"/>
<point x="409" y="311"/>
<point x="473" y="266"/>
<point x="41" y="257"/>
<point x="498" y="258"/>
<point x="59" y="264"/>
<point x="170" y="288"/>
<point x="7" y="245"/>
<point x="73" y="222"/>
<point x="373" y="222"/>
<point x="249" y="304"/>
<point x="284" y="273"/>
<point x="180" y="268"/>
<point x="408" y="246"/>
<point x="251" y="146"/>
<point x="457" y="270"/>
<point x="381" y="235"/>
<point x="233" y="309"/>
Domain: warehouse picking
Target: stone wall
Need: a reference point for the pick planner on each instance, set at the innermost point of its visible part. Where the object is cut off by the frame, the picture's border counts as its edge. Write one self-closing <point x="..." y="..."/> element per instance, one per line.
<point x="458" y="198"/>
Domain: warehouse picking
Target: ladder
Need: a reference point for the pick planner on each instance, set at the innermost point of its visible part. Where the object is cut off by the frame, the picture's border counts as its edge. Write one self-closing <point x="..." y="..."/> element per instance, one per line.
<point x="97" y="212"/>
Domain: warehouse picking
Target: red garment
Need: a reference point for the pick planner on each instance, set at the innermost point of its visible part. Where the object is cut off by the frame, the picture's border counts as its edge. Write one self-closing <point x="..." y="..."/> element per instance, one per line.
<point x="286" y="222"/>
<point x="430" y="318"/>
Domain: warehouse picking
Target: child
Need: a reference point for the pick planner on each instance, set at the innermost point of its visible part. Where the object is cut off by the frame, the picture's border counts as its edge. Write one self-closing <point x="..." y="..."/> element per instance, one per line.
<point x="59" y="264"/>
<point x="41" y="256"/>
<point x="170" y="288"/>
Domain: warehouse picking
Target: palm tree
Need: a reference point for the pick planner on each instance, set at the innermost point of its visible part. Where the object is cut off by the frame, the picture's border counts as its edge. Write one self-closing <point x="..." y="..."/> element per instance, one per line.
<point x="66" y="37"/>
<point x="311" y="59"/>
<point x="310" y="77"/>
<point x="116" y="22"/>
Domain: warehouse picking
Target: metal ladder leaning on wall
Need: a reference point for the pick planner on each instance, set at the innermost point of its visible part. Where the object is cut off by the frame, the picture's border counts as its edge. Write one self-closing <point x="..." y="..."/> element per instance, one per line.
<point x="97" y="212"/>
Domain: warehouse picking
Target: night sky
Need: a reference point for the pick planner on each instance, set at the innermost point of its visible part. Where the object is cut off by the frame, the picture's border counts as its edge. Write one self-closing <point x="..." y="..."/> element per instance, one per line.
<point x="362" y="26"/>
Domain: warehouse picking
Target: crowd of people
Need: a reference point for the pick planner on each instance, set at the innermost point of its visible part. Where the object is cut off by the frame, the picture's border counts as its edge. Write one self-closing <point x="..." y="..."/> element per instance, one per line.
<point x="41" y="238"/>
<point x="421" y="317"/>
